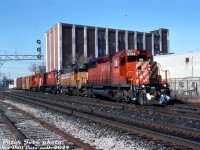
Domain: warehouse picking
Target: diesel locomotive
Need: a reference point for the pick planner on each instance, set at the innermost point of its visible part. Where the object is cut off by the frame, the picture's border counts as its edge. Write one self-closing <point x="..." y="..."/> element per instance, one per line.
<point x="128" y="75"/>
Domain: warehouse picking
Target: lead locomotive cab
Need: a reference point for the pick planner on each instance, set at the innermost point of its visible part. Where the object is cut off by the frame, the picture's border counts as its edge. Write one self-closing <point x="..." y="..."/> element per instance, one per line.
<point x="137" y="70"/>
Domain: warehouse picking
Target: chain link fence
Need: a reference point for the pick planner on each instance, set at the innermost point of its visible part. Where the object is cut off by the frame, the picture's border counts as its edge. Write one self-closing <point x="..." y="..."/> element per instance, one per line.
<point x="185" y="89"/>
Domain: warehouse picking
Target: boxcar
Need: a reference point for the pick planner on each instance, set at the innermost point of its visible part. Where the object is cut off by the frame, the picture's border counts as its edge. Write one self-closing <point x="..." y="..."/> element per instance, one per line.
<point x="19" y="83"/>
<point x="26" y="83"/>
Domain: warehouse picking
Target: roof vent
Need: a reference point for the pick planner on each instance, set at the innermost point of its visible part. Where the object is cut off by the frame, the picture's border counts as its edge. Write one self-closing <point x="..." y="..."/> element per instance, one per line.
<point x="187" y="59"/>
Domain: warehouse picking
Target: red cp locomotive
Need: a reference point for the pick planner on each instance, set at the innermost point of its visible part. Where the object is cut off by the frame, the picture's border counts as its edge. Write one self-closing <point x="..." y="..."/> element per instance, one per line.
<point x="128" y="75"/>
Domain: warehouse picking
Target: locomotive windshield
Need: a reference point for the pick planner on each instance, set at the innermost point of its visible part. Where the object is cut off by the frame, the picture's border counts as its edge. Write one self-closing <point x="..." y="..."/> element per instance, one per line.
<point x="136" y="58"/>
<point x="131" y="58"/>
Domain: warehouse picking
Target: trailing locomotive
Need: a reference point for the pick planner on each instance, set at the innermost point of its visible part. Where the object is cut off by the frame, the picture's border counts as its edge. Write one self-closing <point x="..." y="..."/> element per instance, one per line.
<point x="74" y="80"/>
<point x="128" y="75"/>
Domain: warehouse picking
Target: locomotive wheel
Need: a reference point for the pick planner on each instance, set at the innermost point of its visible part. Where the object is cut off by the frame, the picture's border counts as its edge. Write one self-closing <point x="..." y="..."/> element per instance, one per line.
<point x="74" y="93"/>
<point x="54" y="91"/>
<point x="118" y="100"/>
<point x="141" y="98"/>
<point x="127" y="100"/>
<point x="89" y="93"/>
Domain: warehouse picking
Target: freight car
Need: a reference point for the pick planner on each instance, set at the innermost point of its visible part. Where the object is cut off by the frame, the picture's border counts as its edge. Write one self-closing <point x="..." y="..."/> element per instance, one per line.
<point x="26" y="83"/>
<point x="18" y="83"/>
<point x="45" y="82"/>
<point x="128" y="75"/>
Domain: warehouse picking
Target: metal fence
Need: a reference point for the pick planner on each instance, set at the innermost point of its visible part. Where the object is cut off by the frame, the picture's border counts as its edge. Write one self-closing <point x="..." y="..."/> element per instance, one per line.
<point x="185" y="89"/>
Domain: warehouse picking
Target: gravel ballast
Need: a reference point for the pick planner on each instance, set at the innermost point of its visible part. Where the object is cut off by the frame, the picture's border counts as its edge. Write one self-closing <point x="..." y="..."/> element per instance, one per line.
<point x="95" y="134"/>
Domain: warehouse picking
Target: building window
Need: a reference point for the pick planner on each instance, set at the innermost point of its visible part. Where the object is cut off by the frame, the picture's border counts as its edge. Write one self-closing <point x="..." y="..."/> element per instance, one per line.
<point x="156" y="42"/>
<point x="101" y="36"/>
<point x="139" y="40"/>
<point x="101" y="52"/>
<point x="112" y="45"/>
<point x="121" y="37"/>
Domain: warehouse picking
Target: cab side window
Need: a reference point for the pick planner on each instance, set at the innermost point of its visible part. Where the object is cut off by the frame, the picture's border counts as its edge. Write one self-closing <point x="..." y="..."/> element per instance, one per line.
<point x="115" y="62"/>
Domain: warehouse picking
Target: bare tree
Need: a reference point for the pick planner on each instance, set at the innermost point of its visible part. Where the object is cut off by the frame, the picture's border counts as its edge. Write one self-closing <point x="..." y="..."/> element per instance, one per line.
<point x="78" y="60"/>
<point x="33" y="68"/>
<point x="37" y="69"/>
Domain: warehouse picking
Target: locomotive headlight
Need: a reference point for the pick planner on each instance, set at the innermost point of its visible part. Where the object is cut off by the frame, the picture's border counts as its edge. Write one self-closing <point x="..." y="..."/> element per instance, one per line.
<point x="164" y="85"/>
<point x="143" y="86"/>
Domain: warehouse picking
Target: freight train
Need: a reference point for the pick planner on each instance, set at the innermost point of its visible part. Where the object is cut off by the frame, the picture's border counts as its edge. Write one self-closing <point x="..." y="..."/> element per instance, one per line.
<point x="128" y="75"/>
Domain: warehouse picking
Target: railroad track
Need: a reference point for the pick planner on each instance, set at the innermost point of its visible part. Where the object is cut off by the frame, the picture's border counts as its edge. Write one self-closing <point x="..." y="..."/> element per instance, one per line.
<point x="33" y="133"/>
<point x="5" y="133"/>
<point x="89" y="104"/>
<point x="185" y="108"/>
<point x="179" y="110"/>
<point x="175" y="136"/>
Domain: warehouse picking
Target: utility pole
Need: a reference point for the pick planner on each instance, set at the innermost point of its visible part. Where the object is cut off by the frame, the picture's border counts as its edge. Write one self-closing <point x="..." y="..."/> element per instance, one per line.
<point x="192" y="66"/>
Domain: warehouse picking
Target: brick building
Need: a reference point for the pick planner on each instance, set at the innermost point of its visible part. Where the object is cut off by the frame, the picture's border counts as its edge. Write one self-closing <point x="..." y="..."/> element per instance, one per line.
<point x="64" y="40"/>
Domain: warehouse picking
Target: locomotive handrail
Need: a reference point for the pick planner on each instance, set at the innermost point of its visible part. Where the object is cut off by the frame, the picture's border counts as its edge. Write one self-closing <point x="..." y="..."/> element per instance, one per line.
<point x="166" y="74"/>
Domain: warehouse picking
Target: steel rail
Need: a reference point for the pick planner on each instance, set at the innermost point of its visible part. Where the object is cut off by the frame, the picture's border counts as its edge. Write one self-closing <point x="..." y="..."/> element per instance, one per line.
<point x="11" y="126"/>
<point x="182" y="130"/>
<point x="128" y="128"/>
<point x="144" y="109"/>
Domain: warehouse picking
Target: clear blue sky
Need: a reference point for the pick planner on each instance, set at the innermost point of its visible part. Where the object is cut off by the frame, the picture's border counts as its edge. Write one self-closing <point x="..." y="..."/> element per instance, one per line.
<point x="24" y="21"/>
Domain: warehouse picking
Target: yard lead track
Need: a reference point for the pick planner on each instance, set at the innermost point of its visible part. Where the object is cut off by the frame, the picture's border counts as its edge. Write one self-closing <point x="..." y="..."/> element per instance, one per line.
<point x="174" y="136"/>
<point x="31" y="132"/>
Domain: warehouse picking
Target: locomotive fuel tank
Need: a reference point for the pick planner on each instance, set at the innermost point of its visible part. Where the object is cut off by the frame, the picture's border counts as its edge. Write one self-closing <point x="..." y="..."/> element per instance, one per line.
<point x="104" y="93"/>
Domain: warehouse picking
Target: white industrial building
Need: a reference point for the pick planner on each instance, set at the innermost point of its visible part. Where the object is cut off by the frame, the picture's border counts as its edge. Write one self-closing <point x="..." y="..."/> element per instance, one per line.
<point x="180" y="65"/>
<point x="184" y="73"/>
